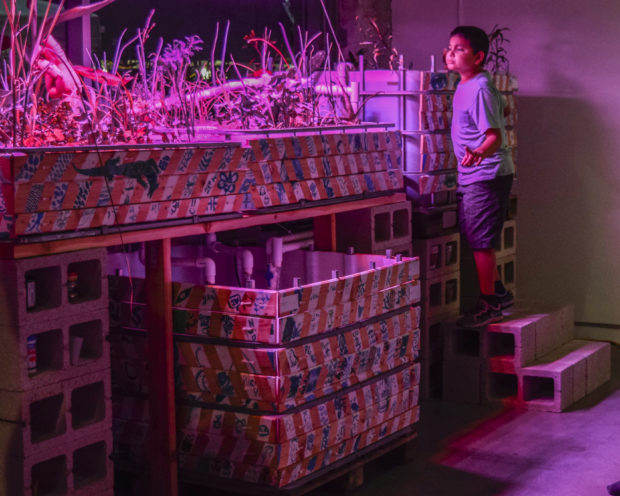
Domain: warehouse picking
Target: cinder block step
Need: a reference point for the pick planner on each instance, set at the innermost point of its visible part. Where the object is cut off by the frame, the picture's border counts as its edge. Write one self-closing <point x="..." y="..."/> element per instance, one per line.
<point x="36" y="289"/>
<point x="565" y="375"/>
<point x="554" y="324"/>
<point x="503" y="353"/>
<point x="61" y="413"/>
<point x="80" y="468"/>
<point x="501" y="387"/>
<point x="511" y="343"/>
<point x="52" y="351"/>
<point x="438" y="256"/>
<point x="528" y="332"/>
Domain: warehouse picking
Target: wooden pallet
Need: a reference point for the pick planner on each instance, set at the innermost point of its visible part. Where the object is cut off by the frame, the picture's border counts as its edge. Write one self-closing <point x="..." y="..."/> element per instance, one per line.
<point x="348" y="473"/>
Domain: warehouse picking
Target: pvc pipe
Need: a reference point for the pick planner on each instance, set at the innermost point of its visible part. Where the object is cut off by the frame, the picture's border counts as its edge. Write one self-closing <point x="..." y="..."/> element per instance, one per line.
<point x="247" y="259"/>
<point x="247" y="262"/>
<point x="206" y="262"/>
<point x="277" y="251"/>
<point x="298" y="245"/>
<point x="297" y="236"/>
<point x="273" y="276"/>
<point x="350" y="265"/>
<point x="334" y="89"/>
<point x="312" y="266"/>
<point x="355" y="95"/>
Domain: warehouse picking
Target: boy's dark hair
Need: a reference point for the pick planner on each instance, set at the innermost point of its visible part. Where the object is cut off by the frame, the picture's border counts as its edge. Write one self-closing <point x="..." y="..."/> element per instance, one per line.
<point x="477" y="38"/>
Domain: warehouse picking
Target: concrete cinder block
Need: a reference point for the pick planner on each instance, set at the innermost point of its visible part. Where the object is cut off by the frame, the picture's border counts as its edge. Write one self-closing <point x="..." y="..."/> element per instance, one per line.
<point x="64" y="348"/>
<point x="431" y="358"/>
<point x="441" y="296"/>
<point x="553" y="325"/>
<point x="567" y="322"/>
<point x="78" y="469"/>
<point x="511" y="343"/>
<point x="131" y="440"/>
<point x="579" y="380"/>
<point x="556" y="380"/>
<point x="130" y="408"/>
<point x="508" y="244"/>
<point x="502" y="387"/>
<point x="375" y="228"/>
<point x="507" y="269"/>
<point x="548" y="388"/>
<point x="463" y="379"/>
<point x="63" y="412"/>
<point x="130" y="376"/>
<point x="47" y="284"/>
<point x="438" y="256"/>
<point x="92" y="470"/>
<point x="434" y="221"/>
<point x="459" y="342"/>
<point x="598" y="364"/>
<point x="513" y="203"/>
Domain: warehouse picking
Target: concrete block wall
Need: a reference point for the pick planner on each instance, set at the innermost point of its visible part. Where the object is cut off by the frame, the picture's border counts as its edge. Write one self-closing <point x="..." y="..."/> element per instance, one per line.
<point x="432" y="356"/>
<point x="41" y="418"/>
<point x="82" y="467"/>
<point x="55" y="389"/>
<point x="441" y="296"/>
<point x="65" y="347"/>
<point x="438" y="255"/>
<point x="49" y="277"/>
<point x="440" y="282"/>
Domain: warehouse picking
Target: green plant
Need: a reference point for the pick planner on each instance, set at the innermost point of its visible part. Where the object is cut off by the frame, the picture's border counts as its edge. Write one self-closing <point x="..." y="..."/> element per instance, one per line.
<point x="497" y="59"/>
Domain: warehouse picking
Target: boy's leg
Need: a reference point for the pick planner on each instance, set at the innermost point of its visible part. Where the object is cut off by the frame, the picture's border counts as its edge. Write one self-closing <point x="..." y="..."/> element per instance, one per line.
<point x="481" y="215"/>
<point x="491" y="286"/>
<point x="486" y="266"/>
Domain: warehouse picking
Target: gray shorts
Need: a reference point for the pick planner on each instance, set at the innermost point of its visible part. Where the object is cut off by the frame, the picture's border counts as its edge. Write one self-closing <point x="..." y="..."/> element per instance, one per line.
<point x="482" y="211"/>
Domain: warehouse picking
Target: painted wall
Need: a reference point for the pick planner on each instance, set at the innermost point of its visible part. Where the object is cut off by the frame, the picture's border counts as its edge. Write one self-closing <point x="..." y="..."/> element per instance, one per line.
<point x="566" y="56"/>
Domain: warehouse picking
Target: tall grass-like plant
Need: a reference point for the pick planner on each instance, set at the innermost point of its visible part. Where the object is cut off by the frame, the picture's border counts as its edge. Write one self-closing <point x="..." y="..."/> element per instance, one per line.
<point x="497" y="59"/>
<point x="45" y="100"/>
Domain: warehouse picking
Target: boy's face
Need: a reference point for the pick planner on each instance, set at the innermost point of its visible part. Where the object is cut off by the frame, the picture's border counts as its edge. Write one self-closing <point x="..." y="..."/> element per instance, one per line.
<point x="460" y="57"/>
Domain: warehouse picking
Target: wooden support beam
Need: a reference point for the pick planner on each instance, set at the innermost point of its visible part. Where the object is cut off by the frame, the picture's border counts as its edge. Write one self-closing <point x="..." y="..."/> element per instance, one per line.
<point x="164" y="470"/>
<point x="23" y="250"/>
<point x="325" y="232"/>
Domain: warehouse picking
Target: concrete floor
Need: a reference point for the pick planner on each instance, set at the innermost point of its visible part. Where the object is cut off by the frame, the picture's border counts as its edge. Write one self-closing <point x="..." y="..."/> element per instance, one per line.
<point x="472" y="450"/>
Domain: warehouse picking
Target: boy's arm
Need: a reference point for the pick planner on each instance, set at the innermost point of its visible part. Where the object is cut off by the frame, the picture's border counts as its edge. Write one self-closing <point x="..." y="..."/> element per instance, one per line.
<point x="491" y="143"/>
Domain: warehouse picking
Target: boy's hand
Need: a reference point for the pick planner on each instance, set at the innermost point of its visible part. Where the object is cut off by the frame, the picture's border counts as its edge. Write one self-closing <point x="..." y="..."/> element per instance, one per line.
<point x="492" y="142"/>
<point x="472" y="157"/>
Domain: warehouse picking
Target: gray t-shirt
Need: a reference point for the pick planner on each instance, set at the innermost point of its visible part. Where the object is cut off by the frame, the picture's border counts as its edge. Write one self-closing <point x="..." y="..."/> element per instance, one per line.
<point x="477" y="107"/>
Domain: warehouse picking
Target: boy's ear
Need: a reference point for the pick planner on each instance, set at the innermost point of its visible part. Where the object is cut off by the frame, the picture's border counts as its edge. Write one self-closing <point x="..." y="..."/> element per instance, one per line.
<point x="479" y="58"/>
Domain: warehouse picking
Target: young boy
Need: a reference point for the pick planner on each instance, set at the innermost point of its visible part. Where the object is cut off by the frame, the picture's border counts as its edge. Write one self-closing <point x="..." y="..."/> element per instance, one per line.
<point x="484" y="164"/>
